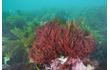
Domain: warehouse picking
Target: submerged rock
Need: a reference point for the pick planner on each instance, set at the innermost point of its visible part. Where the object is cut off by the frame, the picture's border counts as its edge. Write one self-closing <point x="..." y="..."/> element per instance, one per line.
<point x="20" y="66"/>
<point x="6" y="67"/>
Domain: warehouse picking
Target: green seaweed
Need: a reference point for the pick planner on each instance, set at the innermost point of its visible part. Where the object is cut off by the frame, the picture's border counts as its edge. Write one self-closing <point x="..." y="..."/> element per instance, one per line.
<point x="24" y="36"/>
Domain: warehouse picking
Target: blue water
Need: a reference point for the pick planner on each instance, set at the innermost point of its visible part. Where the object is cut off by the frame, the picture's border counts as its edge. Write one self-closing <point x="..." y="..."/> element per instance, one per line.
<point x="32" y="5"/>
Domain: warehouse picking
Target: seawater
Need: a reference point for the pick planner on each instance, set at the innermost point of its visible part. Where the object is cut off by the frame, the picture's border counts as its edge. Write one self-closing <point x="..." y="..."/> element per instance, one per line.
<point x="32" y="5"/>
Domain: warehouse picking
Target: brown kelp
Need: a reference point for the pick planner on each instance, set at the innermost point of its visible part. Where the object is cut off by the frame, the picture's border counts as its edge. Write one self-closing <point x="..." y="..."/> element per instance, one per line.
<point x="53" y="40"/>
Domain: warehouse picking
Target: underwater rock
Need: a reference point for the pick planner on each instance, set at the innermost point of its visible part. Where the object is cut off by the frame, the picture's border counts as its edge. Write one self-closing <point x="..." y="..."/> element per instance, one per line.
<point x="6" y="67"/>
<point x="71" y="64"/>
<point x="21" y="66"/>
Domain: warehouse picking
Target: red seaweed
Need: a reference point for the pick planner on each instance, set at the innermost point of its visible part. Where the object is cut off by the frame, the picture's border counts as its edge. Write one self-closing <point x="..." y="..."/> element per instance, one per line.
<point x="53" y="40"/>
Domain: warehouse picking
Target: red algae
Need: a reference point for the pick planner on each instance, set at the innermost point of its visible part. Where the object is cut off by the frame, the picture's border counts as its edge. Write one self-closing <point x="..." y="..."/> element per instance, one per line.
<point x="53" y="40"/>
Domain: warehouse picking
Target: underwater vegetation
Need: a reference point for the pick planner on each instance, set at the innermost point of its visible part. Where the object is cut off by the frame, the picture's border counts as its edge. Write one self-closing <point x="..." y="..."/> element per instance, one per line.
<point x="35" y="36"/>
<point x="96" y="24"/>
<point x="53" y="41"/>
<point x="18" y="36"/>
